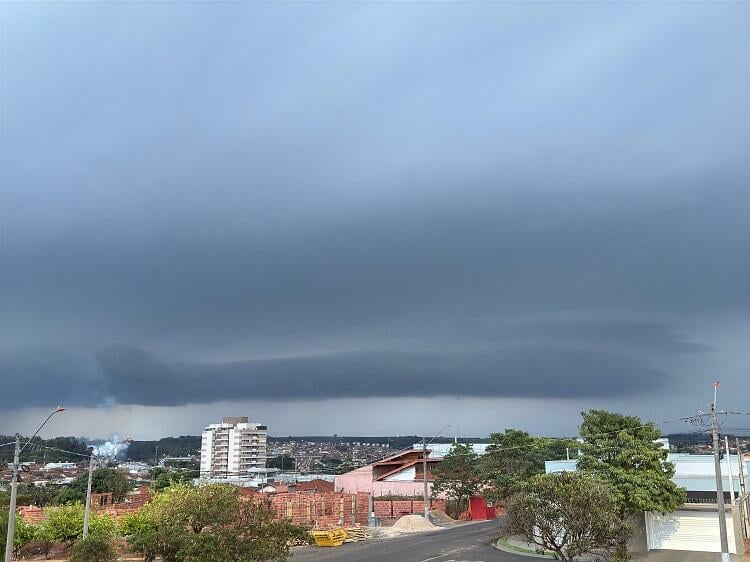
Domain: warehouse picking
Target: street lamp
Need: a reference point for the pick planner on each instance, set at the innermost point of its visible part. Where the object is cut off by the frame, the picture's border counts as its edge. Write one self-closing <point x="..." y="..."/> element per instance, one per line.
<point x="14" y="486"/>
<point x="424" y="469"/>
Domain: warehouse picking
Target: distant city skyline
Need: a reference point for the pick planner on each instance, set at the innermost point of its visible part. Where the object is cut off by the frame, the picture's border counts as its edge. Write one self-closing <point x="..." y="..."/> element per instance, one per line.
<point x="371" y="218"/>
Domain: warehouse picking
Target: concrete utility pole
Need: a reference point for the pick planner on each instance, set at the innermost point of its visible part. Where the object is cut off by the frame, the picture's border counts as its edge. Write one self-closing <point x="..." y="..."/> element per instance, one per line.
<point x="729" y="470"/>
<point x="424" y="470"/>
<point x="424" y="478"/>
<point x="719" y="484"/>
<point x="14" y="485"/>
<point x="87" y="511"/>
<point x="745" y="500"/>
<point x="12" y="506"/>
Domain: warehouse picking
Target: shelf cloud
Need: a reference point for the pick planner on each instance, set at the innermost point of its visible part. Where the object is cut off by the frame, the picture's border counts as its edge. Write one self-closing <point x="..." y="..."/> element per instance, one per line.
<point x="323" y="202"/>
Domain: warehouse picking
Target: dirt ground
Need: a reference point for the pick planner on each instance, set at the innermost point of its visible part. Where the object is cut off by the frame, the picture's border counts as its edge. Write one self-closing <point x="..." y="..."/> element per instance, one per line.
<point x="59" y="553"/>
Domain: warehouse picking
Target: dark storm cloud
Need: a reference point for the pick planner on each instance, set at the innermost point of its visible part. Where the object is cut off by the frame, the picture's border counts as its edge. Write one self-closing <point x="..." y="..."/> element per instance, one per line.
<point x="486" y="200"/>
<point x="491" y="359"/>
<point x="647" y="338"/>
<point x="44" y="377"/>
<point x="129" y="375"/>
<point x="535" y="371"/>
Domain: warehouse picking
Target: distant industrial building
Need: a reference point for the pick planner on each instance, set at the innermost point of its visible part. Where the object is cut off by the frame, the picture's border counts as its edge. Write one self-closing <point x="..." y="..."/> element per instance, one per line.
<point x="235" y="451"/>
<point x="442" y="449"/>
<point x="59" y="466"/>
<point x="294" y="477"/>
<point x="134" y="468"/>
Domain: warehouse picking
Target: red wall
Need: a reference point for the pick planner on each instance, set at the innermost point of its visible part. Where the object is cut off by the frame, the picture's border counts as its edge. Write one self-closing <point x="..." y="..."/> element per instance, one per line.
<point x="479" y="510"/>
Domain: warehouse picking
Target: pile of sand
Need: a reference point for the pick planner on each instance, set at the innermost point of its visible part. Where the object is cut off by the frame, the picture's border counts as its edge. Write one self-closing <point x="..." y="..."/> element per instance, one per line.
<point x="441" y="517"/>
<point x="413" y="524"/>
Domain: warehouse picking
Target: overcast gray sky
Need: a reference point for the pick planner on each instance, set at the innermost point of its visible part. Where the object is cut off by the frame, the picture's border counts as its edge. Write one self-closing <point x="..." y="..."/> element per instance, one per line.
<point x="371" y="218"/>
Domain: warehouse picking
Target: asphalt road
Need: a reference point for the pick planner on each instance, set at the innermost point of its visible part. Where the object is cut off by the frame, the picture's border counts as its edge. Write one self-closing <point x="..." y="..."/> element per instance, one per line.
<point x="468" y="542"/>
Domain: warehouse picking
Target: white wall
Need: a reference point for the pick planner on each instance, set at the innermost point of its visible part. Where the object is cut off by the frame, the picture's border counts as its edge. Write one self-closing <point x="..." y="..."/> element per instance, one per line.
<point x="206" y="444"/>
<point x="403" y="475"/>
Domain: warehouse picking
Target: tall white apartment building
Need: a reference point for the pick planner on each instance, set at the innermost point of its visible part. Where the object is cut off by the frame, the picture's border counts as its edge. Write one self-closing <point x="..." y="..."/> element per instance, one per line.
<point x="234" y="451"/>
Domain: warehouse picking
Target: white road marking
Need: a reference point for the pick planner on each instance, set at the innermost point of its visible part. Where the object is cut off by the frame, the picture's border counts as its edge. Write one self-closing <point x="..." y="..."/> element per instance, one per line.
<point x="452" y="552"/>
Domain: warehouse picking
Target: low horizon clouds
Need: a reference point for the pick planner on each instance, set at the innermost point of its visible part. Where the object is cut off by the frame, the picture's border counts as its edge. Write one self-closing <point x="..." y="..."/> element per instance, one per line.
<point x="504" y="359"/>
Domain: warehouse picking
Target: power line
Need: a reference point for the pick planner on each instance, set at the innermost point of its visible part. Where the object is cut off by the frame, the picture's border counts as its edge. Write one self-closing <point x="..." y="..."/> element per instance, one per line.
<point x="69" y="452"/>
<point x="55" y="449"/>
<point x="490" y="448"/>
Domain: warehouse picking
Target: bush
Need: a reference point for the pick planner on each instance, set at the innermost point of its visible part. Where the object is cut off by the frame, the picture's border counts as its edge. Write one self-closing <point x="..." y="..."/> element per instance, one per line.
<point x="93" y="549"/>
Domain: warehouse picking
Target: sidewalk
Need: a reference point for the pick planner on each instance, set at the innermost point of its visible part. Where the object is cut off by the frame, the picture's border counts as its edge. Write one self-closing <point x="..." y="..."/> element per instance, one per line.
<point x="517" y="545"/>
<point x="683" y="556"/>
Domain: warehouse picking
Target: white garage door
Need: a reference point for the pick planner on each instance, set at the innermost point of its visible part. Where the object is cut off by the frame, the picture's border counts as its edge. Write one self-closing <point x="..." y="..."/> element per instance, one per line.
<point x="687" y="530"/>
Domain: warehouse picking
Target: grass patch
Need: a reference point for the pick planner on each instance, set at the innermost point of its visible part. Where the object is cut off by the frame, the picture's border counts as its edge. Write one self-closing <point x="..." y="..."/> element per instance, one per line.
<point x="504" y="542"/>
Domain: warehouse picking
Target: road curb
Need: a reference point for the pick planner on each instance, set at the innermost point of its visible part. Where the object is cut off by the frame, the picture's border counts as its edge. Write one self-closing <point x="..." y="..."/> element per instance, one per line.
<point x="497" y="546"/>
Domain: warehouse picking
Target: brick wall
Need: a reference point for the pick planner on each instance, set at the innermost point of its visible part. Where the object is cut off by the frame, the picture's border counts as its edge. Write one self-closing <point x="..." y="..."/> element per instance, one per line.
<point x="401" y="507"/>
<point x="100" y="503"/>
<point x="320" y="510"/>
<point x="382" y="508"/>
<point x="32" y="514"/>
<point x="324" y="510"/>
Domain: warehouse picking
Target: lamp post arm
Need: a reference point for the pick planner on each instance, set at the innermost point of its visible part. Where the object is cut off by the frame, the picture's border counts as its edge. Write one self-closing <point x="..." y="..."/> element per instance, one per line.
<point x="52" y="413"/>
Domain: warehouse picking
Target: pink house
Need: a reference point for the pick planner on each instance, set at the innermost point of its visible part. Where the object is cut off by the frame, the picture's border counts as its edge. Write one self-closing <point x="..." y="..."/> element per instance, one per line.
<point x="398" y="475"/>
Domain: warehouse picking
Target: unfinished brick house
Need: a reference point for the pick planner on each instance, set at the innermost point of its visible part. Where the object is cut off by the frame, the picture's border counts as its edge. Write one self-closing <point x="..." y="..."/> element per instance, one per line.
<point x="398" y="475"/>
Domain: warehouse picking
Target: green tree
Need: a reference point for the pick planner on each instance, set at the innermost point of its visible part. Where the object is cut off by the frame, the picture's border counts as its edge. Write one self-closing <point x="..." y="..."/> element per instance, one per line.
<point x="104" y="480"/>
<point x="285" y="462"/>
<point x="254" y="535"/>
<point x="620" y="450"/>
<point x="64" y="524"/>
<point x="512" y="457"/>
<point x="69" y="495"/>
<point x="165" y="478"/>
<point x="569" y="513"/>
<point x="197" y="508"/>
<point x="23" y="535"/>
<point x="93" y="549"/>
<point x="110" y="480"/>
<point x="145" y="535"/>
<point x="458" y="474"/>
<point x="183" y="446"/>
<point x="553" y="448"/>
<point x="44" y="535"/>
<point x="41" y="496"/>
<point x="162" y="527"/>
<point x="207" y="524"/>
<point x="62" y="449"/>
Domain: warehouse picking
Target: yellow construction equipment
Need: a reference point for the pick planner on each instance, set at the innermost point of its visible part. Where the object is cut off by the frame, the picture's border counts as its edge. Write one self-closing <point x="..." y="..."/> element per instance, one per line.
<point x="334" y="537"/>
